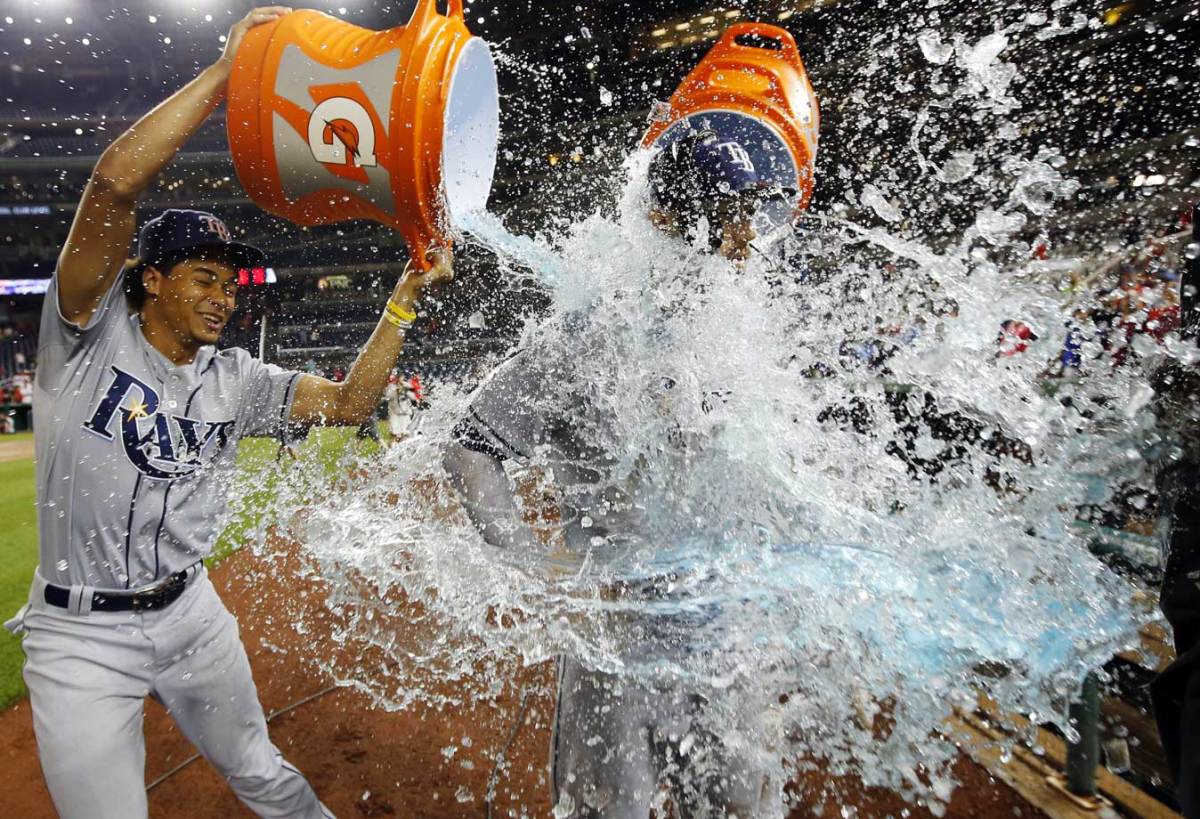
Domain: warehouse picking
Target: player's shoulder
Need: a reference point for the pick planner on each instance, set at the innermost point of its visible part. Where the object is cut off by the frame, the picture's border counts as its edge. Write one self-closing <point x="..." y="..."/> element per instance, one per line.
<point x="237" y="360"/>
<point x="234" y="355"/>
<point x="515" y="376"/>
<point x="519" y="391"/>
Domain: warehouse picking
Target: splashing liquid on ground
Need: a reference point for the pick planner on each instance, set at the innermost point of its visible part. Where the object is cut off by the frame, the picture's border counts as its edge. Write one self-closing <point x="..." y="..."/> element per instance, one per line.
<point x="865" y="517"/>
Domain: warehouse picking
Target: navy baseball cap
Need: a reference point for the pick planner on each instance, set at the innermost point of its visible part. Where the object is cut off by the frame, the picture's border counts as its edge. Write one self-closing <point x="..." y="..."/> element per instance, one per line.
<point x="178" y="233"/>
<point x="688" y="175"/>
<point x="700" y="167"/>
<point x="723" y="167"/>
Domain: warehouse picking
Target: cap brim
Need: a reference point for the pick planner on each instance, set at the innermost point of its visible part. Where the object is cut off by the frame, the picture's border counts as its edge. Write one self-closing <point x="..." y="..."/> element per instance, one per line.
<point x="238" y="255"/>
<point x="769" y="190"/>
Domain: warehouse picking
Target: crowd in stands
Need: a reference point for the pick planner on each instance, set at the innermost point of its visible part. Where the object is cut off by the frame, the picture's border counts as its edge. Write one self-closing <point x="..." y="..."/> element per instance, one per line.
<point x="18" y="347"/>
<point x="29" y="244"/>
<point x="15" y="189"/>
<point x="18" y="359"/>
<point x="1142" y="303"/>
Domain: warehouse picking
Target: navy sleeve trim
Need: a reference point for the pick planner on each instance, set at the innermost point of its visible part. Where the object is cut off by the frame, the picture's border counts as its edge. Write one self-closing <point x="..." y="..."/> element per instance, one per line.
<point x="499" y="438"/>
<point x="289" y="394"/>
<point x="469" y="437"/>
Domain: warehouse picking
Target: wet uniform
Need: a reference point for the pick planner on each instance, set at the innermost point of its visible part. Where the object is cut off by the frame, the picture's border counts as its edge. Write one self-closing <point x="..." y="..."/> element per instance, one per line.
<point x="134" y="461"/>
<point x="614" y="739"/>
<point x="1176" y="692"/>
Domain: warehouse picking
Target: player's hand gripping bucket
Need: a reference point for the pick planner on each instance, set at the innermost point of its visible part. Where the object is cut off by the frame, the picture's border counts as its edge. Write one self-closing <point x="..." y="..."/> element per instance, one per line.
<point x="752" y="88"/>
<point x="328" y="121"/>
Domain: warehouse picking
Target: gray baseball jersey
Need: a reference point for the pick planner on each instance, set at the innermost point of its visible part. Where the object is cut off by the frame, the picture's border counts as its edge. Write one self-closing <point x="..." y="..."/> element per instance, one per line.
<point x="526" y="408"/>
<point x="135" y="455"/>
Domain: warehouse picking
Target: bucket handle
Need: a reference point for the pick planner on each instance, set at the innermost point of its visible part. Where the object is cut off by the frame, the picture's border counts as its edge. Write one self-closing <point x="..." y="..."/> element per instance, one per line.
<point x="784" y="37"/>
<point x="427" y="9"/>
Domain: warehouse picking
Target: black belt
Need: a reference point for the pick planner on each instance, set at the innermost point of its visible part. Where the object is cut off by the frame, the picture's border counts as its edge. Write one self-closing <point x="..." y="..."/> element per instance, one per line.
<point x="158" y="596"/>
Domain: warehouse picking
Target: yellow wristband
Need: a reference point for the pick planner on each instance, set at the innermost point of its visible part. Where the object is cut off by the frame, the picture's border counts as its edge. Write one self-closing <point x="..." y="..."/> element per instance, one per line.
<point x="399" y="312"/>
<point x="396" y="321"/>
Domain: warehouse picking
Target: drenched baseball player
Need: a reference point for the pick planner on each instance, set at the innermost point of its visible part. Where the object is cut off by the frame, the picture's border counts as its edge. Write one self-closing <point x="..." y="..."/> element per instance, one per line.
<point x="137" y="417"/>
<point x="617" y="742"/>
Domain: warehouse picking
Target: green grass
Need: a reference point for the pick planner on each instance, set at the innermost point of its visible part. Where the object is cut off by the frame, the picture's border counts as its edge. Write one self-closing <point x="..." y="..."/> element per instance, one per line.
<point x="257" y="484"/>
<point x="18" y="558"/>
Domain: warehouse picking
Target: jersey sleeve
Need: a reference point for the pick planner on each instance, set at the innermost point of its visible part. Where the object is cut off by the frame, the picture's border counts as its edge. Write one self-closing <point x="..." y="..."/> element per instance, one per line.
<point x="505" y="418"/>
<point x="267" y="392"/>
<point x="60" y="338"/>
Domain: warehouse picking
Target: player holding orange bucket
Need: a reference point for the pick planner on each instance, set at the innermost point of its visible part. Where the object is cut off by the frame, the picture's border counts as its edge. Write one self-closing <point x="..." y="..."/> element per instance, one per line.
<point x="328" y="121"/>
<point x="751" y="90"/>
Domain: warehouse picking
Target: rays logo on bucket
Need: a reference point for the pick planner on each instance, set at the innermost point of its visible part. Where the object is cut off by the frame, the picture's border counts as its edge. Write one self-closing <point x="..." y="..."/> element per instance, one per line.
<point x="160" y="446"/>
<point x="736" y="154"/>
<point x="341" y="132"/>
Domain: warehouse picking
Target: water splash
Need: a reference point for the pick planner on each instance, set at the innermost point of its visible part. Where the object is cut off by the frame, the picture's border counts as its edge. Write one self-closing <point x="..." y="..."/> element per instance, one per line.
<point x="863" y="515"/>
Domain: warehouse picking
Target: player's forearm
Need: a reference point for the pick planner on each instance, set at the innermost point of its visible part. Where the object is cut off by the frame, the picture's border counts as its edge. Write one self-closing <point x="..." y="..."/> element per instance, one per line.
<point x="487" y="497"/>
<point x="130" y="164"/>
<point x="360" y="393"/>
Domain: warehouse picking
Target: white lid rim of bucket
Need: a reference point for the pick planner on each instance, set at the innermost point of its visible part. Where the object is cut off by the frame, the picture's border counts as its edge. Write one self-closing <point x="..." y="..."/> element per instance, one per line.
<point x="471" y="132"/>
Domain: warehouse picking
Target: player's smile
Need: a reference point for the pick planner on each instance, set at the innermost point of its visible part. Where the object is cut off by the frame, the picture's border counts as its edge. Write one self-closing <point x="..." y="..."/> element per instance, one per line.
<point x="213" y="321"/>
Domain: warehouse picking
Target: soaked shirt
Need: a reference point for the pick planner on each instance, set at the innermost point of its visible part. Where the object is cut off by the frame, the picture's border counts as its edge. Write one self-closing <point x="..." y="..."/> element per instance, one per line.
<point x="135" y="455"/>
<point x="526" y="413"/>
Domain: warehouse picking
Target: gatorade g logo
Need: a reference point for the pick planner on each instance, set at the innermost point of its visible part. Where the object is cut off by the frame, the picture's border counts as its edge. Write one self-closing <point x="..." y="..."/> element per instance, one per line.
<point x="330" y="126"/>
<point x="340" y="132"/>
<point x="160" y="446"/>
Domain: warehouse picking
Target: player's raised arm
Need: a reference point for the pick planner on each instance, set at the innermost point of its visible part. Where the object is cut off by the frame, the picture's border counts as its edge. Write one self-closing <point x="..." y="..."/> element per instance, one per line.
<point x="321" y="401"/>
<point x="105" y="220"/>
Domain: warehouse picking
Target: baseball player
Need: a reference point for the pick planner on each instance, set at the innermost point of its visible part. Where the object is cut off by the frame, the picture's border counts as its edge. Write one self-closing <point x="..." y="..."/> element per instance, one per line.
<point x="137" y="417"/>
<point x="614" y="739"/>
<point x="405" y="402"/>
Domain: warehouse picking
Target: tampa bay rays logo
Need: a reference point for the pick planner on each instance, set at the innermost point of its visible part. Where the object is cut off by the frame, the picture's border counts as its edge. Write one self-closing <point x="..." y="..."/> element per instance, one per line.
<point x="216" y="226"/>
<point x="737" y="155"/>
<point x="160" y="446"/>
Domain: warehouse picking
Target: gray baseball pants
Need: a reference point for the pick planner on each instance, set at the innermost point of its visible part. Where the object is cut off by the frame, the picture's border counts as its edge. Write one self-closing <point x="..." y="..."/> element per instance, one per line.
<point x="89" y="673"/>
<point x="617" y="743"/>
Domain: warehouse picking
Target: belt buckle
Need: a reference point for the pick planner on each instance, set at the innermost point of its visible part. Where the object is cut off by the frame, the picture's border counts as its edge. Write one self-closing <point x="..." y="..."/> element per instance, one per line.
<point x="147" y="600"/>
<point x="159" y="596"/>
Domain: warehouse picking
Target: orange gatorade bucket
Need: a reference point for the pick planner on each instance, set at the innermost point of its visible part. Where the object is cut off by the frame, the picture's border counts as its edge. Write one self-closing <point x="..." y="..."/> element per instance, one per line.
<point x="752" y="87"/>
<point x="328" y="121"/>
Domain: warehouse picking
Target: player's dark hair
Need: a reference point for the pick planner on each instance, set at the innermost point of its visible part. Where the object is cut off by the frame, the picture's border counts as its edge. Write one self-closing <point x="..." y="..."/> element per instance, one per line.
<point x="135" y="288"/>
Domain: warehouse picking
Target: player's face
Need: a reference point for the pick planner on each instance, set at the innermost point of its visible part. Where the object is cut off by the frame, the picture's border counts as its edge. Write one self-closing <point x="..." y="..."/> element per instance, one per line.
<point x="197" y="298"/>
<point x="733" y="218"/>
<point x="736" y="218"/>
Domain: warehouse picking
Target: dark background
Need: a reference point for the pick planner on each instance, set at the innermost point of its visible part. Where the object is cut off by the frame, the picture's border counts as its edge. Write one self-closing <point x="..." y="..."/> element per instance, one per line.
<point x="1116" y="97"/>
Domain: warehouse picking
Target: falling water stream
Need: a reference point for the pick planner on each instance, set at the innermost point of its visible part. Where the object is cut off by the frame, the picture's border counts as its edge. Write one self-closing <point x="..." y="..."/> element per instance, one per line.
<point x="832" y="556"/>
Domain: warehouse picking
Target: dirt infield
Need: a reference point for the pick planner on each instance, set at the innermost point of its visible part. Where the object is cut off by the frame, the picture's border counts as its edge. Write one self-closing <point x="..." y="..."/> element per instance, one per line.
<point x="16" y="450"/>
<point x="369" y="763"/>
